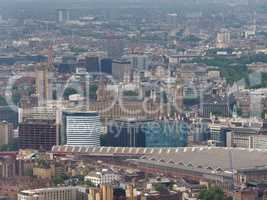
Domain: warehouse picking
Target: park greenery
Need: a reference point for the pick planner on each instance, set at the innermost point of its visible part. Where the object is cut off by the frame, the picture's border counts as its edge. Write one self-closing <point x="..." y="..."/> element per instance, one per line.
<point x="12" y="146"/>
<point x="213" y="193"/>
<point x="234" y="69"/>
<point x="70" y="91"/>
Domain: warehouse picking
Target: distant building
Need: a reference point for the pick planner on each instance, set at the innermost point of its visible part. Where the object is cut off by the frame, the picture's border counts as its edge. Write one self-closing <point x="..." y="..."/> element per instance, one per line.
<point x="223" y="39"/>
<point x="130" y="109"/>
<point x="92" y="61"/>
<point x="60" y="193"/>
<point x="119" y="68"/>
<point x="216" y="105"/>
<point x="172" y="20"/>
<point x="6" y="133"/>
<point x="246" y="194"/>
<point x="105" y="192"/>
<point x="126" y="133"/>
<point x="166" y="133"/>
<point x="147" y="133"/>
<point x="38" y="134"/>
<point x="9" y="115"/>
<point x="63" y="15"/>
<point x="7" y="167"/>
<point x="218" y="134"/>
<point x="247" y="137"/>
<point x="81" y="128"/>
<point x="138" y="61"/>
<point x="106" y="66"/>
<point x="99" y="178"/>
<point x="43" y="83"/>
<point x="109" y="192"/>
<point x="92" y="64"/>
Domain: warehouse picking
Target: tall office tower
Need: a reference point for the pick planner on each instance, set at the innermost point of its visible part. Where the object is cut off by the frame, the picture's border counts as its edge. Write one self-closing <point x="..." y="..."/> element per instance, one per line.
<point x="166" y="133"/>
<point x="80" y="82"/>
<point x="38" y="134"/>
<point x="6" y="133"/>
<point x="126" y="133"/>
<point x="106" y="66"/>
<point x="223" y="39"/>
<point x="138" y="61"/>
<point x="63" y="15"/>
<point x="119" y="68"/>
<point x="172" y="20"/>
<point x="92" y="61"/>
<point x="43" y="83"/>
<point x="81" y="128"/>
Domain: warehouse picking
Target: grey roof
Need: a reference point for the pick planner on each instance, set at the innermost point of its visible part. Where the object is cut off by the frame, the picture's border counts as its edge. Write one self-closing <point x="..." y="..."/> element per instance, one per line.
<point x="213" y="159"/>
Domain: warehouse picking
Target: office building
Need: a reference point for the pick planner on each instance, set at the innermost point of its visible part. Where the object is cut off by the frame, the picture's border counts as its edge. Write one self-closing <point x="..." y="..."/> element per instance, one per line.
<point x="92" y="64"/>
<point x="109" y="192"/>
<point x="92" y="61"/>
<point x="147" y="133"/>
<point x="166" y="133"/>
<point x="99" y="178"/>
<point x="7" y="167"/>
<point x="126" y="133"/>
<point x="247" y="137"/>
<point x="223" y="39"/>
<point x="119" y="68"/>
<point x="43" y="83"/>
<point x="9" y="115"/>
<point x="218" y="134"/>
<point x="138" y="61"/>
<point x="63" y="15"/>
<point x="6" y="133"/>
<point x="216" y="105"/>
<point x="172" y="20"/>
<point x="81" y="128"/>
<point x="38" y="134"/>
<point x="130" y="109"/>
<point x="106" y="66"/>
<point x="61" y="193"/>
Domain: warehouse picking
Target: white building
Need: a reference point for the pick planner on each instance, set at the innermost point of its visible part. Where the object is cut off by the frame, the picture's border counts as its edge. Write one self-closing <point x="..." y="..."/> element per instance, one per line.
<point x="81" y="128"/>
<point x="223" y="39"/>
<point x="98" y="178"/>
<point x="61" y="193"/>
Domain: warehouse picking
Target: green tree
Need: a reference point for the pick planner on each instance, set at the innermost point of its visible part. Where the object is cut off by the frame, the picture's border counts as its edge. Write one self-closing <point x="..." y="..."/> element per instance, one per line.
<point x="12" y="146"/>
<point x="57" y="180"/>
<point x="69" y="91"/>
<point x="103" y="140"/>
<point x="161" y="188"/>
<point x="28" y="172"/>
<point x="213" y="193"/>
<point x="2" y="101"/>
<point x="130" y="93"/>
<point x="88" y="183"/>
<point x="92" y="90"/>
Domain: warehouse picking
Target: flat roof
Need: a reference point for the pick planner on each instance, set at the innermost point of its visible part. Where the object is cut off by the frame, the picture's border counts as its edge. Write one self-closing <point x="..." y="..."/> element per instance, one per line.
<point x="213" y="159"/>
